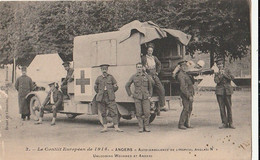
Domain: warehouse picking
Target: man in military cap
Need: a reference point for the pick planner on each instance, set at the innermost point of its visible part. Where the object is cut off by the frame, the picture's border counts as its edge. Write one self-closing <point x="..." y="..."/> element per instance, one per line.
<point x="142" y="95"/>
<point x="223" y="92"/>
<point x="24" y="85"/>
<point x="69" y="78"/>
<point x="53" y="102"/>
<point x="105" y="87"/>
<point x="153" y="68"/>
<point x="187" y="93"/>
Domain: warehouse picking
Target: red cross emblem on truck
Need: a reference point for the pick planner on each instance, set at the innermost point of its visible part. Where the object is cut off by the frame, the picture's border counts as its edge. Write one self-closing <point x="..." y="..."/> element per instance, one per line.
<point x="82" y="81"/>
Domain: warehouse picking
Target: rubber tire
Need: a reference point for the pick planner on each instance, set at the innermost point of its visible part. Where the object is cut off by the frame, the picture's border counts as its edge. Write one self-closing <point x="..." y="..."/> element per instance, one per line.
<point x="152" y="117"/>
<point x="33" y="102"/>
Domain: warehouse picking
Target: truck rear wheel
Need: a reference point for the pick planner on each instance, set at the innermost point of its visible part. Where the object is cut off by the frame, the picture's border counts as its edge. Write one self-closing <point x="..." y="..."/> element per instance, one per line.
<point x="152" y="117"/>
<point x="154" y="111"/>
<point x="35" y="105"/>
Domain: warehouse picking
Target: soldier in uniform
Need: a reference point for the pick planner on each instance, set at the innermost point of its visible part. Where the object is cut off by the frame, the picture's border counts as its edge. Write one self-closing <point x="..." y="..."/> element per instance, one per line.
<point x="24" y="85"/>
<point x="223" y="92"/>
<point x="142" y="95"/>
<point x="53" y="102"/>
<point x="69" y="78"/>
<point x="187" y="93"/>
<point x="153" y="68"/>
<point x="105" y="87"/>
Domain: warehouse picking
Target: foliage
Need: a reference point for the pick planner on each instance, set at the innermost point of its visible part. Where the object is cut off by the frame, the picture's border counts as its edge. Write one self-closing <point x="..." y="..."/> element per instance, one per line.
<point x="219" y="27"/>
<point x="29" y="28"/>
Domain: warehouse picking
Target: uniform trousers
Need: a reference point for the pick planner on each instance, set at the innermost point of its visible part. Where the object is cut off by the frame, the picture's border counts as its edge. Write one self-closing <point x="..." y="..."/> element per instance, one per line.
<point x="159" y="89"/>
<point x="225" y="104"/>
<point x="186" y="111"/>
<point x="50" y="108"/>
<point x="64" y="89"/>
<point x="142" y="111"/>
<point x="109" y="105"/>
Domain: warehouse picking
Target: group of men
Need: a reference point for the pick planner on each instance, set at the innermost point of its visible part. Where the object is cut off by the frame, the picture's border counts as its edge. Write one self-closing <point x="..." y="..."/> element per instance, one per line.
<point x="53" y="101"/>
<point x="223" y="93"/>
<point x="145" y="80"/>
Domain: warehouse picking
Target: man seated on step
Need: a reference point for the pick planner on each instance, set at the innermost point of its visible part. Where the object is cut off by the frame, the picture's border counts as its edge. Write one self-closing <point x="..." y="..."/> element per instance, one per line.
<point x="69" y="78"/>
<point x="53" y="102"/>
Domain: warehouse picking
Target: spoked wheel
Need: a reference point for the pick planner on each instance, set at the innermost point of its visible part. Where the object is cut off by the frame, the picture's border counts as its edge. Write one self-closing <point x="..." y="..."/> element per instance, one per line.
<point x="152" y="117"/>
<point x="35" y="107"/>
<point x="154" y="111"/>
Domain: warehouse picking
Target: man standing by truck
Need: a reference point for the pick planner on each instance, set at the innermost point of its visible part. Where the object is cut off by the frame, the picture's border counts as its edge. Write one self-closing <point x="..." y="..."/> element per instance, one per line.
<point x="24" y="85"/>
<point x="105" y="87"/>
<point x="187" y="93"/>
<point x="153" y="68"/>
<point x="142" y="95"/>
<point x="224" y="90"/>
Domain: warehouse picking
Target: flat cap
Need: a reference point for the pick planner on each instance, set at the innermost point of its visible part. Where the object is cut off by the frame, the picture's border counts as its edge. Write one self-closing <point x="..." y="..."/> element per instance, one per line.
<point x="66" y="63"/>
<point x="182" y="62"/>
<point x="104" y="65"/>
<point x="150" y="45"/>
<point x="54" y="83"/>
<point x="23" y="68"/>
<point x="201" y="63"/>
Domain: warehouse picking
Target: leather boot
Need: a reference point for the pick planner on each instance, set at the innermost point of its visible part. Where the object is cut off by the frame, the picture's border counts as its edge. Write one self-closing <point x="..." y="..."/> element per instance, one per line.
<point x="117" y="129"/>
<point x="187" y="123"/>
<point x="39" y="121"/>
<point x="232" y="126"/>
<point x="224" y="125"/>
<point x="53" y="121"/>
<point x="141" y="125"/>
<point x="104" y="129"/>
<point x="146" y="125"/>
<point x="181" y="127"/>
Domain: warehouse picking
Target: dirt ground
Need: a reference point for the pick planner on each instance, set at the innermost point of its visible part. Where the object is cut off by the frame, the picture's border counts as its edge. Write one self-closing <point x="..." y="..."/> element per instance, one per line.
<point x="80" y="138"/>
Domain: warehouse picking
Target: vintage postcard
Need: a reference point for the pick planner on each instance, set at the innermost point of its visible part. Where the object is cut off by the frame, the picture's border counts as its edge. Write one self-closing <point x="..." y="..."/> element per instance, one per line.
<point x="137" y="79"/>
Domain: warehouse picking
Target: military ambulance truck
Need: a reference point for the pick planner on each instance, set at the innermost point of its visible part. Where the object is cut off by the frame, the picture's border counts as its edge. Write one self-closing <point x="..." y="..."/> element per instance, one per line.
<point x="120" y="49"/>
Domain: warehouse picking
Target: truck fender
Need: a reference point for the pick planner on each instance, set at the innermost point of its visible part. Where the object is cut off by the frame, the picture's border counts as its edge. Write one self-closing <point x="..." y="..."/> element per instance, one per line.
<point x="41" y="95"/>
<point x="124" y="108"/>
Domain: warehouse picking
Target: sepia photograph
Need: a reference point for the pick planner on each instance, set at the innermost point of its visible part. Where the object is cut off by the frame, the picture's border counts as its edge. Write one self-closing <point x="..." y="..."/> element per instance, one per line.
<point x="128" y="79"/>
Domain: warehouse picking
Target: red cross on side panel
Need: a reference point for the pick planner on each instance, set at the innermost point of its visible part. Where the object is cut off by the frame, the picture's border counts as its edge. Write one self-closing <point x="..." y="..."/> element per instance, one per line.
<point x="82" y="81"/>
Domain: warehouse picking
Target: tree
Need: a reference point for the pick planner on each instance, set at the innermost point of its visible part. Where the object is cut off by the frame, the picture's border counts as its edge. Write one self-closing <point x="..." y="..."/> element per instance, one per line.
<point x="30" y="28"/>
<point x="221" y="28"/>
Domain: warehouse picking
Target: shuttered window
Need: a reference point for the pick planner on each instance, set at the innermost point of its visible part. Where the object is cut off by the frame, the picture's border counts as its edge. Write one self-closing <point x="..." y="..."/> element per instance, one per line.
<point x="104" y="52"/>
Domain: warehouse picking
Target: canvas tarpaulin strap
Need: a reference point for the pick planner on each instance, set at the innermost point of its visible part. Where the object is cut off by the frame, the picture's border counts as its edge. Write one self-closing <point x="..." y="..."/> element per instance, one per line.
<point x="182" y="37"/>
<point x="150" y="31"/>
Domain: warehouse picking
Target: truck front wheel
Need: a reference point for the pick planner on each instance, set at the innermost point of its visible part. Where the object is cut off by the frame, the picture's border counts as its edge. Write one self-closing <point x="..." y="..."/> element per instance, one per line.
<point x="35" y="105"/>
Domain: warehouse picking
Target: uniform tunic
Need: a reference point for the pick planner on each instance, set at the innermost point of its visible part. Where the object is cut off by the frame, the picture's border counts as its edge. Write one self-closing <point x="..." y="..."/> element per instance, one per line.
<point x="105" y="87"/>
<point x="187" y="91"/>
<point x="24" y="86"/>
<point x="224" y="90"/>
<point x="53" y="98"/>
<point x="143" y="90"/>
